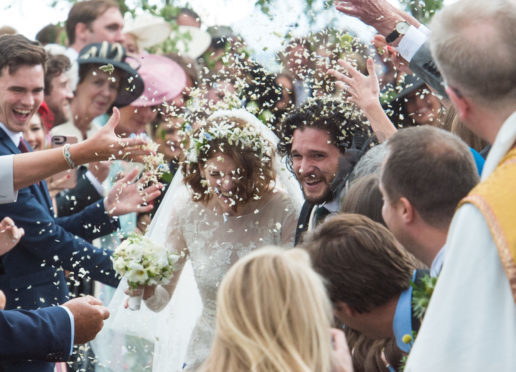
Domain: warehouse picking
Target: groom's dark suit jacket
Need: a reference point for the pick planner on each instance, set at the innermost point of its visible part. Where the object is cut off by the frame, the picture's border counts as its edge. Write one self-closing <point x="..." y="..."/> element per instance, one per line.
<point x="31" y="275"/>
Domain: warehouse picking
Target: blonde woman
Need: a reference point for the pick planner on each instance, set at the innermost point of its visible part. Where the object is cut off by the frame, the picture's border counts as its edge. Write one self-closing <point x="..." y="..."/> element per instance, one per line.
<point x="273" y="314"/>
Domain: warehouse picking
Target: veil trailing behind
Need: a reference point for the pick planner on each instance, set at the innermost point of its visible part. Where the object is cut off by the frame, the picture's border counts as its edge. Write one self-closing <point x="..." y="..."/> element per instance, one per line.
<point x="145" y="340"/>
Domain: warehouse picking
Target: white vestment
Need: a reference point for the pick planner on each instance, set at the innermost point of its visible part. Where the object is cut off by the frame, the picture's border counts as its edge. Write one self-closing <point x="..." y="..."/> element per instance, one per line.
<point x="470" y="324"/>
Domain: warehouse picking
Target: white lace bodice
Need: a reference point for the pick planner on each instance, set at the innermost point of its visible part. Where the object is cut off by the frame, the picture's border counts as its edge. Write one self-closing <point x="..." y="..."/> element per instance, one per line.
<point x="214" y="242"/>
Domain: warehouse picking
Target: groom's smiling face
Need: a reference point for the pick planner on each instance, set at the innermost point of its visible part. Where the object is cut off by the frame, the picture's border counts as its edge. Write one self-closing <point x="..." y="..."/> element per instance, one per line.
<point x="315" y="161"/>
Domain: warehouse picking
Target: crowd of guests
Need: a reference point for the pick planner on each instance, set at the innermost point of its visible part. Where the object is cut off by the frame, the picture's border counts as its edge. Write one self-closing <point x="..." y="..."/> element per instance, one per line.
<point x="403" y="248"/>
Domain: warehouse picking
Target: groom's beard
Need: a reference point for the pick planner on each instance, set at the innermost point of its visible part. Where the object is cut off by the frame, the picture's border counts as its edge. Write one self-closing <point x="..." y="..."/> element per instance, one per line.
<point x="323" y="192"/>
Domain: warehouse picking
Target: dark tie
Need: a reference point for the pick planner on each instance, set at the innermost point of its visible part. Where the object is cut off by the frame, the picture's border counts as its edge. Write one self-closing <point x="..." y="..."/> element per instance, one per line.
<point x="22" y="146"/>
<point x="320" y="213"/>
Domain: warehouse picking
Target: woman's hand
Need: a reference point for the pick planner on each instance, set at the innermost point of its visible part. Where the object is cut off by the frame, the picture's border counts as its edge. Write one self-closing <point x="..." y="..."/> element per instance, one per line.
<point x="145" y="291"/>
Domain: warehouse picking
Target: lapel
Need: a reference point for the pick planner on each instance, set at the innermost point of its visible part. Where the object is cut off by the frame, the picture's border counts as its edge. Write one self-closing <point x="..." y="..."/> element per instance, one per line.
<point x="6" y="141"/>
<point x="302" y="222"/>
<point x="39" y="191"/>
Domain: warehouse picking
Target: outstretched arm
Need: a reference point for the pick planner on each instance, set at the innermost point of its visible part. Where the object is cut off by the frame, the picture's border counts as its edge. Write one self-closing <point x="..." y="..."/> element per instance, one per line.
<point x="364" y="92"/>
<point x="379" y="14"/>
<point x="104" y="145"/>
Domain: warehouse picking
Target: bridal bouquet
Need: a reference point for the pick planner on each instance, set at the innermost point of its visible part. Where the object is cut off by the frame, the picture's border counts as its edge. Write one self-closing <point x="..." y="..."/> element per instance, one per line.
<point x="142" y="262"/>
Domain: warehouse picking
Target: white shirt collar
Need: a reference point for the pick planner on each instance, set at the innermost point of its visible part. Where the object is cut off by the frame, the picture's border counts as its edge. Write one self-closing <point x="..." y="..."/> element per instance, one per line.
<point x="437" y="263"/>
<point x="14" y="136"/>
<point x="72" y="54"/>
<point x="333" y="205"/>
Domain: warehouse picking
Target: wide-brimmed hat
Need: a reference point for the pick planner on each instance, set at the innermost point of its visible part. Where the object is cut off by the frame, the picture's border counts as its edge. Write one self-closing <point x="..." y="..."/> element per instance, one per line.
<point x="104" y="54"/>
<point x="148" y="29"/>
<point x="163" y="80"/>
<point x="191" y="41"/>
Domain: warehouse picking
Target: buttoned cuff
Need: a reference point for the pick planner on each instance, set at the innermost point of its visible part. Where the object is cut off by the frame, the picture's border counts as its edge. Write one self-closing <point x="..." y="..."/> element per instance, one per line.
<point x="72" y="328"/>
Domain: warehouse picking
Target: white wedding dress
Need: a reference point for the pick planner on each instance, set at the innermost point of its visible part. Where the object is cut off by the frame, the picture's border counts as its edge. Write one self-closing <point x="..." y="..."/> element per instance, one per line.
<point x="215" y="242"/>
<point x="178" y="336"/>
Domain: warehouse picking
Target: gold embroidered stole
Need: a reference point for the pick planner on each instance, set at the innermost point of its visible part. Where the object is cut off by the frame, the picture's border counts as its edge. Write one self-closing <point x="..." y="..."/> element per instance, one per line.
<point x="496" y="200"/>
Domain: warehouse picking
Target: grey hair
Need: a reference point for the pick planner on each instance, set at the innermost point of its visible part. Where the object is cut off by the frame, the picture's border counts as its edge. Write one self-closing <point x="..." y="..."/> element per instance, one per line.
<point x="473" y="44"/>
<point x="370" y="163"/>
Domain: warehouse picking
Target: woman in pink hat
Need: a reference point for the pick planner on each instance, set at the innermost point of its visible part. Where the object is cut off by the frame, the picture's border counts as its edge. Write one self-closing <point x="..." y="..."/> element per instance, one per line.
<point x="163" y="81"/>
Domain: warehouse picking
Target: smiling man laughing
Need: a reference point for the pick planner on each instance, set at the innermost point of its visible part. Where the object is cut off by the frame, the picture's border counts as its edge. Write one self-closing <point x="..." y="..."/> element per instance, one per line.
<point x="320" y="141"/>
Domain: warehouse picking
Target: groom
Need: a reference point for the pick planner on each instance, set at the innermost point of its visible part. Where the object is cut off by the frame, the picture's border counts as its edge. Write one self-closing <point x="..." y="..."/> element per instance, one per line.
<point x="31" y="275"/>
<point x="322" y="141"/>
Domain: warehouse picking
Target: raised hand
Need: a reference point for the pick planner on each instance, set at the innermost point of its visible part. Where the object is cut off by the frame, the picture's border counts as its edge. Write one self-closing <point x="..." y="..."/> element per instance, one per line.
<point x="127" y="196"/>
<point x="89" y="316"/>
<point x="105" y="144"/>
<point x="390" y="54"/>
<point x="10" y="235"/>
<point x="364" y="92"/>
<point x="380" y="14"/>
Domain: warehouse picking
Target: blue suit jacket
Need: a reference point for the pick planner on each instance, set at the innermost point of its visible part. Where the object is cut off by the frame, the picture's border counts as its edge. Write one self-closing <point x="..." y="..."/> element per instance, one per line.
<point x="33" y="274"/>
<point x="43" y="334"/>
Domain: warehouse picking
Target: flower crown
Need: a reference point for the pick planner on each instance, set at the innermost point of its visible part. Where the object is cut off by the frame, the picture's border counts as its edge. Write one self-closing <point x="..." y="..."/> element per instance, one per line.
<point x="247" y="137"/>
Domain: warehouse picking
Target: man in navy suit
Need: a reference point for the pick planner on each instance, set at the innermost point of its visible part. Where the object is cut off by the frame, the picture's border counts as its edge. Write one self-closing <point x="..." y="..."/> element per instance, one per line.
<point x="31" y="275"/>
<point x="48" y="333"/>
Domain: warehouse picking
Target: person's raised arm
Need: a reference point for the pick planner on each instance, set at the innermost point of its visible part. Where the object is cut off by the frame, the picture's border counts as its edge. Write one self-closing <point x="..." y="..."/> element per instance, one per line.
<point x="31" y="167"/>
<point x="364" y="92"/>
<point x="379" y="14"/>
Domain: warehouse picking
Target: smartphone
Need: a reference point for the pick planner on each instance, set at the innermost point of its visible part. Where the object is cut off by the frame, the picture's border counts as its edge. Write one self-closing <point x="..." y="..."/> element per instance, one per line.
<point x="66" y="179"/>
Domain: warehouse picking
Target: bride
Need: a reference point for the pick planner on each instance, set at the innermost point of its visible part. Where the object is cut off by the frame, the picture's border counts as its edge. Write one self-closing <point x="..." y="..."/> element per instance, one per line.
<point x="234" y="197"/>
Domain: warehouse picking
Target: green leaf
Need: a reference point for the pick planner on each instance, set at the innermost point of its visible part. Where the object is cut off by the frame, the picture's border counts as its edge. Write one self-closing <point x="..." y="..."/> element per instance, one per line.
<point x="109" y="68"/>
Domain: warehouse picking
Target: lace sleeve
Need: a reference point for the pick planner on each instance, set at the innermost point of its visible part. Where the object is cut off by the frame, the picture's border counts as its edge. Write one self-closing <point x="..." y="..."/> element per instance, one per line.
<point x="176" y="243"/>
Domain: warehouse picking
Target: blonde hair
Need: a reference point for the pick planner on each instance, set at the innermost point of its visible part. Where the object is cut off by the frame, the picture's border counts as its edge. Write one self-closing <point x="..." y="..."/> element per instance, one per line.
<point x="273" y="314"/>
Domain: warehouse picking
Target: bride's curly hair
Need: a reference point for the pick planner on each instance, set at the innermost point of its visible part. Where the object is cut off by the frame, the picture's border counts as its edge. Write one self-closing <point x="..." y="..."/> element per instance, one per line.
<point x="264" y="321"/>
<point x="252" y="154"/>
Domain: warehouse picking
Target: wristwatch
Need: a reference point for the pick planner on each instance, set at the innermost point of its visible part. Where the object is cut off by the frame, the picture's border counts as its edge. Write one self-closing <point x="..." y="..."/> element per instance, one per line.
<point x="401" y="29"/>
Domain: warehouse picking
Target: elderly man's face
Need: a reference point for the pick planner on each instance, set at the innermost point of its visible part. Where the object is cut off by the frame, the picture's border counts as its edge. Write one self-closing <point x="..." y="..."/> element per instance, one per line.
<point x="315" y="161"/>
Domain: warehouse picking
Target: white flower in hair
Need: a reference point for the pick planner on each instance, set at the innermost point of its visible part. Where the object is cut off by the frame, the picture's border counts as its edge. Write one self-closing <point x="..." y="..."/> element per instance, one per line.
<point x="251" y="136"/>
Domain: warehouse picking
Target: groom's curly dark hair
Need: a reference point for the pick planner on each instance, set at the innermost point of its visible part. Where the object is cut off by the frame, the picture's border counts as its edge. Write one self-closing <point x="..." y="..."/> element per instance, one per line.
<point x="340" y="119"/>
